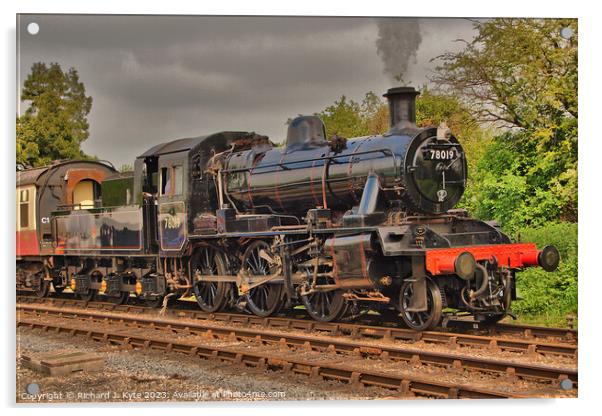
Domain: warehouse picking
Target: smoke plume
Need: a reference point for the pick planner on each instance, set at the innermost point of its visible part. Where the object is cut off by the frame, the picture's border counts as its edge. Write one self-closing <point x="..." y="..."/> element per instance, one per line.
<point x="397" y="43"/>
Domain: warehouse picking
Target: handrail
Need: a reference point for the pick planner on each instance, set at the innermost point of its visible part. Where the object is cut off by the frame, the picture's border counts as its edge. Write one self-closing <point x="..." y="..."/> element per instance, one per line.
<point x="329" y="157"/>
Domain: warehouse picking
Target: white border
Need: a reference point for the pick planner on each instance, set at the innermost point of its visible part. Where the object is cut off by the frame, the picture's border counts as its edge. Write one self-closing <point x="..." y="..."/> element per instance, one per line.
<point x="590" y="34"/>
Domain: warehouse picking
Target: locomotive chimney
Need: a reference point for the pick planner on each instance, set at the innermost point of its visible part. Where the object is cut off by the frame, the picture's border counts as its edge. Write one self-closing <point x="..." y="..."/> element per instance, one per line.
<point x="402" y="107"/>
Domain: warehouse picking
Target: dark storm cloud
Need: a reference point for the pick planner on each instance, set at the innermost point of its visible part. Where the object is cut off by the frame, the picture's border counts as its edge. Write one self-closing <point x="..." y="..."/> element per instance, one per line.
<point x="266" y="68"/>
<point x="109" y="32"/>
<point x="154" y="78"/>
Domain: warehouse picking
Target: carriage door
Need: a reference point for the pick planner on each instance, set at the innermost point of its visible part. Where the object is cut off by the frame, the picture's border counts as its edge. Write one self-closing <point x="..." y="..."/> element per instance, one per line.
<point x="172" y="207"/>
<point x="27" y="239"/>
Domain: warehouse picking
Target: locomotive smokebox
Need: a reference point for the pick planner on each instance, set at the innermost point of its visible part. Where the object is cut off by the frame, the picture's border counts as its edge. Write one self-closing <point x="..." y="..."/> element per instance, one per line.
<point x="402" y="107"/>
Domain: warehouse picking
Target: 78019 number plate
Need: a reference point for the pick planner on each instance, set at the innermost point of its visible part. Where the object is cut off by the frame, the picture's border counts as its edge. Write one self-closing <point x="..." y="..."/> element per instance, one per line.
<point x="440" y="154"/>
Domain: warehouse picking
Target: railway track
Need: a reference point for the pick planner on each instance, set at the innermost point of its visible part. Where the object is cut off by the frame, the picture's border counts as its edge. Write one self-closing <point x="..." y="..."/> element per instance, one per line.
<point x="528" y="343"/>
<point x="406" y="385"/>
<point x="527" y="331"/>
<point x="458" y="324"/>
<point x="328" y="345"/>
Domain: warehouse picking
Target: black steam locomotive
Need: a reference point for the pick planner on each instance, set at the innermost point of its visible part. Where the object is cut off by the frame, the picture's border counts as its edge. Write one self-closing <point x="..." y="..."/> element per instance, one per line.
<point x="339" y="226"/>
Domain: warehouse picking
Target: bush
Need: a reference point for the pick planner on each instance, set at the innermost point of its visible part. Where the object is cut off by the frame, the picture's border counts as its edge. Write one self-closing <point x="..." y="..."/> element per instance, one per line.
<point x="517" y="186"/>
<point x="551" y="294"/>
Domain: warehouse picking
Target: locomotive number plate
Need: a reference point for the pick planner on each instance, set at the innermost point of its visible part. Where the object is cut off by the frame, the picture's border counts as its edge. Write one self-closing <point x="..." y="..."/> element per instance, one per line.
<point x="441" y="154"/>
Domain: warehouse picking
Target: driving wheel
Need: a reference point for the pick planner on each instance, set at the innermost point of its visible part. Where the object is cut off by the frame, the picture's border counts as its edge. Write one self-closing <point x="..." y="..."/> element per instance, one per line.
<point x="210" y="295"/>
<point x="265" y="299"/>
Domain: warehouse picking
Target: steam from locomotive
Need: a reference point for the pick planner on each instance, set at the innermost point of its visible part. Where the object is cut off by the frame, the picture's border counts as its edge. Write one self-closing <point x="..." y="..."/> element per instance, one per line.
<point x="339" y="225"/>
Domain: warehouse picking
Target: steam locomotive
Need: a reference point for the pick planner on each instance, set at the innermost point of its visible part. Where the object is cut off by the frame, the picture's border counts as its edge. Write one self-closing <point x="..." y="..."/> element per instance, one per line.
<point x="340" y="226"/>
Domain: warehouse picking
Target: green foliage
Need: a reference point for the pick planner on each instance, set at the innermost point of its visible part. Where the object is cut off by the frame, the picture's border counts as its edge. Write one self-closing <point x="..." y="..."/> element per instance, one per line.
<point x="348" y="118"/>
<point x="55" y="123"/>
<point x="126" y="167"/>
<point x="551" y="294"/>
<point x="520" y="73"/>
<point x="520" y="185"/>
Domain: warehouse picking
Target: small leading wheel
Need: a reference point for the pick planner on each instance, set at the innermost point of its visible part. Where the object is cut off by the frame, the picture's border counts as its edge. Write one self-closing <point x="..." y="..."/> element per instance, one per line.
<point x="41" y="286"/>
<point x="265" y="299"/>
<point x="325" y="306"/>
<point x="427" y="319"/>
<point x="211" y="296"/>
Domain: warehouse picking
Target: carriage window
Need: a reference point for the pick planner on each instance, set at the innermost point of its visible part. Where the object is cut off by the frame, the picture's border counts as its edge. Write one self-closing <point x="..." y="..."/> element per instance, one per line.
<point x="24" y="208"/>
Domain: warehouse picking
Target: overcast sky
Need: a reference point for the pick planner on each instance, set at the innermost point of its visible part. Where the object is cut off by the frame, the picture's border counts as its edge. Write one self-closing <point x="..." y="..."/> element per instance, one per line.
<point x="158" y="78"/>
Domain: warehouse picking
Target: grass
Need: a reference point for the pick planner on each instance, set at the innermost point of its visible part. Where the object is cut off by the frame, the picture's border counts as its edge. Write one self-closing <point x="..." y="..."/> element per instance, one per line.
<point x="544" y="319"/>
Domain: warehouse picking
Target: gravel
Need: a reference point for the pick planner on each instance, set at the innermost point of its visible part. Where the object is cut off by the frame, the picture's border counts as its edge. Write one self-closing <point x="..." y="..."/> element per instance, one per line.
<point x="143" y="376"/>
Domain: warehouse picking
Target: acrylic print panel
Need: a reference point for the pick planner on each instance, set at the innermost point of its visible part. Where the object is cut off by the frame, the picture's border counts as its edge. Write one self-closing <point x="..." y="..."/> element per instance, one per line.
<point x="221" y="208"/>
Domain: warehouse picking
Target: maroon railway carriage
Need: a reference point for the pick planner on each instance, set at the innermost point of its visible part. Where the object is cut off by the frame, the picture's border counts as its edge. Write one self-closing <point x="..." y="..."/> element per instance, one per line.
<point x="40" y="191"/>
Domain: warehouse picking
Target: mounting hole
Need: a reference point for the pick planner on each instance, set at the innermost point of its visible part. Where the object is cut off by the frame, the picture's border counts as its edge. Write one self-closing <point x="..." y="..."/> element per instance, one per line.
<point x="566" y="32"/>
<point x="566" y="384"/>
<point x="32" y="388"/>
<point x="33" y="28"/>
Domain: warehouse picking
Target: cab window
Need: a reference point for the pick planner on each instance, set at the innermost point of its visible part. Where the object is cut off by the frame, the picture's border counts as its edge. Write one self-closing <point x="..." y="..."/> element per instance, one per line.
<point x="172" y="180"/>
<point x="166" y="184"/>
<point x="178" y="179"/>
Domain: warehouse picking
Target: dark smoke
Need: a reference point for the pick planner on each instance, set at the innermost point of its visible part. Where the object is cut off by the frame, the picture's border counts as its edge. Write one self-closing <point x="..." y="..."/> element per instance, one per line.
<point x="397" y="43"/>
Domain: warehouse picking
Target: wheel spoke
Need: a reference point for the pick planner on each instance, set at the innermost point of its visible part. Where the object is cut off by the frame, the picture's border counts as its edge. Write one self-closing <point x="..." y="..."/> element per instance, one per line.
<point x="255" y="265"/>
<point x="207" y="261"/>
<point x="213" y="290"/>
<point x="328" y="299"/>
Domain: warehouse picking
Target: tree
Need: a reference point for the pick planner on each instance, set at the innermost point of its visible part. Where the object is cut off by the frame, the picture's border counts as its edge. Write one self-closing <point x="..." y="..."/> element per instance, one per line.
<point x="521" y="75"/>
<point x="55" y="122"/>
<point x="126" y="168"/>
<point x="516" y="72"/>
<point x="343" y="118"/>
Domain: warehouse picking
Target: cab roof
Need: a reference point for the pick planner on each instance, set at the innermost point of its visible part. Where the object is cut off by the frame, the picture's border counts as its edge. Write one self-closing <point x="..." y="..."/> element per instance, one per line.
<point x="187" y="144"/>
